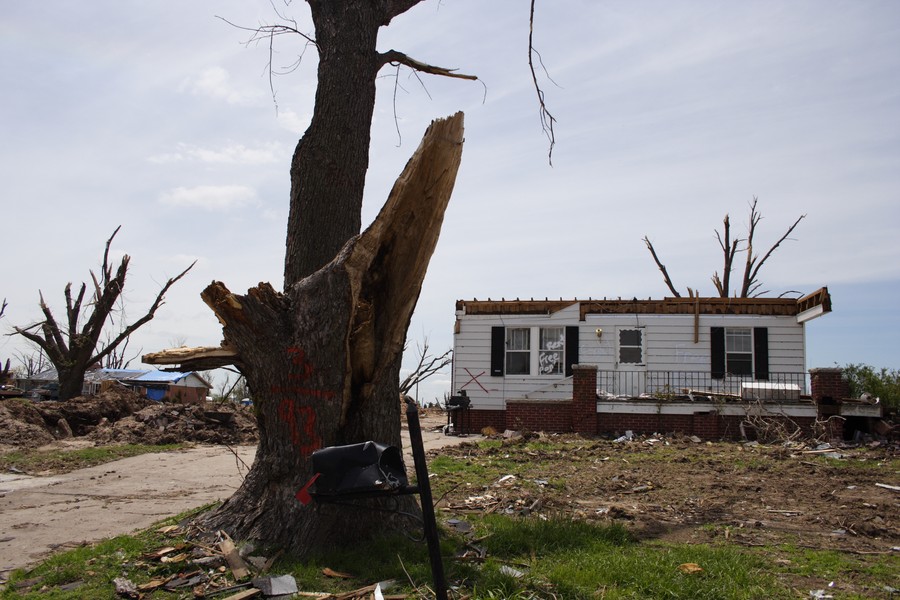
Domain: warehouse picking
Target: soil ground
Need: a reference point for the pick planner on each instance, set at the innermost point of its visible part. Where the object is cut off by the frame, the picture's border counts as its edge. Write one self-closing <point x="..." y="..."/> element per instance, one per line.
<point x="671" y="488"/>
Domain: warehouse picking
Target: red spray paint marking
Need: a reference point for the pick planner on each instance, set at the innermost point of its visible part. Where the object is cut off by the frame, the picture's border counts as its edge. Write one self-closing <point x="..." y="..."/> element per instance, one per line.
<point x="474" y="379"/>
<point x="301" y="422"/>
<point x="298" y="359"/>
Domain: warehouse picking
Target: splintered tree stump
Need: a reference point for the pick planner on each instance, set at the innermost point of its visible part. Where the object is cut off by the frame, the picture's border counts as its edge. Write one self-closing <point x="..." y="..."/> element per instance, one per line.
<point x="322" y="359"/>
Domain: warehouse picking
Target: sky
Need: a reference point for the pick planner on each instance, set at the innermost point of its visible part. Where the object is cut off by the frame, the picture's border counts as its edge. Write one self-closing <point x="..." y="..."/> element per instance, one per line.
<point x="159" y="117"/>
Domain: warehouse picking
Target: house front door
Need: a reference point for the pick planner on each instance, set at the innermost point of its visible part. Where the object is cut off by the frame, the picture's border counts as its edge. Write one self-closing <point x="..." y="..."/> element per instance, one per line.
<point x="631" y="364"/>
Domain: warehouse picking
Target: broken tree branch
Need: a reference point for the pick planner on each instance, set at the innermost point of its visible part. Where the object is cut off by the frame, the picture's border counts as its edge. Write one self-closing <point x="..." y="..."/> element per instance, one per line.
<point x="729" y="249"/>
<point x="195" y="359"/>
<point x="159" y="301"/>
<point x="752" y="267"/>
<point x="396" y="57"/>
<point x="547" y="120"/>
<point x="428" y="365"/>
<point x="662" y="268"/>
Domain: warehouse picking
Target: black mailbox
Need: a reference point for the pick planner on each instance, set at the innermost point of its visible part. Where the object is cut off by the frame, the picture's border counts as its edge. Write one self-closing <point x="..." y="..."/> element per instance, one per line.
<point x="359" y="469"/>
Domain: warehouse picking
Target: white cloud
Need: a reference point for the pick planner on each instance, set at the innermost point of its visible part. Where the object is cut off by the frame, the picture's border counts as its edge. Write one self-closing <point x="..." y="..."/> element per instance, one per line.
<point x="232" y="153"/>
<point x="215" y="82"/>
<point x="211" y="197"/>
<point x="289" y="120"/>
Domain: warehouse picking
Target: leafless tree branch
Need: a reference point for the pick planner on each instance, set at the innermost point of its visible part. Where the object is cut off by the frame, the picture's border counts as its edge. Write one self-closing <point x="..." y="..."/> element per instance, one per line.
<point x="752" y="266"/>
<point x="662" y="268"/>
<point x="547" y="120"/>
<point x="396" y="57"/>
<point x="428" y="365"/>
<point x="729" y="249"/>
<point x="126" y="332"/>
<point x="750" y="285"/>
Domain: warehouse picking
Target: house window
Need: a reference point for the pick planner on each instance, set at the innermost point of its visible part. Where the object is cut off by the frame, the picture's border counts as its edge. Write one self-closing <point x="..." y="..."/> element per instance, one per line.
<point x="518" y="351"/>
<point x="739" y="350"/>
<point x="550" y="354"/>
<point x="631" y="346"/>
<point x="553" y="350"/>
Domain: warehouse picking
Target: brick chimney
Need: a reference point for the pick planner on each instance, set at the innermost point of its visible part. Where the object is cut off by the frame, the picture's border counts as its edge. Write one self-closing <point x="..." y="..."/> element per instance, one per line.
<point x="828" y="386"/>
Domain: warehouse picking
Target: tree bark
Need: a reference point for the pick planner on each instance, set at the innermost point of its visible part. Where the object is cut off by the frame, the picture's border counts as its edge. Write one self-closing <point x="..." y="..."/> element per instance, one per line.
<point x="322" y="359"/>
<point x="328" y="170"/>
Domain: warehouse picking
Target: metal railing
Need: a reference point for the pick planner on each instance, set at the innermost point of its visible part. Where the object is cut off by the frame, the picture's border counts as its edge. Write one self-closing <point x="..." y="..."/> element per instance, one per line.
<point x="670" y="384"/>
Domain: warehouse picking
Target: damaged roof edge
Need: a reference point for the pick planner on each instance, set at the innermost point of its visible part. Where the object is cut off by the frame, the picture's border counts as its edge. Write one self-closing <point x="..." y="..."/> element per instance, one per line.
<point x="808" y="307"/>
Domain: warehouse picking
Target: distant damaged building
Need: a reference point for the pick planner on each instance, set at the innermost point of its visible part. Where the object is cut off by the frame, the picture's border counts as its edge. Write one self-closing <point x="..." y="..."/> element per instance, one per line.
<point x="187" y="387"/>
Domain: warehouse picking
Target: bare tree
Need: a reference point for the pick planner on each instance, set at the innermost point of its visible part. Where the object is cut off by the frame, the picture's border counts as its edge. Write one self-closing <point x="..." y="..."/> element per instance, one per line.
<point x="33" y="363"/>
<point x="730" y="248"/>
<point x="427" y="366"/>
<point x="323" y="357"/>
<point x="71" y="347"/>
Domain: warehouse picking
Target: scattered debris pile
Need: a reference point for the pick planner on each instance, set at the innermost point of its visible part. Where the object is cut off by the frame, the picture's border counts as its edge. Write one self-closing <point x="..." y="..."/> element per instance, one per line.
<point x="829" y="495"/>
<point x="120" y="416"/>
<point x="219" y="569"/>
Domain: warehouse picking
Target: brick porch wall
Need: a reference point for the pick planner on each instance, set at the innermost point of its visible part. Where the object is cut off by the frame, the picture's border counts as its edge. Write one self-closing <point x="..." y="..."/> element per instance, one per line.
<point x="828" y="388"/>
<point x="476" y="420"/>
<point x="705" y="425"/>
<point x="539" y="415"/>
<point x="580" y="414"/>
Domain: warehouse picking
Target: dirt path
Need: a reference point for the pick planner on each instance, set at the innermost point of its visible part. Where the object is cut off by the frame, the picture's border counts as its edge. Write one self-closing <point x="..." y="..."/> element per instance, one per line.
<point x="39" y="515"/>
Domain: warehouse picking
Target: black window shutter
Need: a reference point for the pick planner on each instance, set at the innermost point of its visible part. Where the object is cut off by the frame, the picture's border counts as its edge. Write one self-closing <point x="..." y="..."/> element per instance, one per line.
<point x="717" y="352"/>
<point x="761" y="353"/>
<point x="498" y="350"/>
<point x="571" y="348"/>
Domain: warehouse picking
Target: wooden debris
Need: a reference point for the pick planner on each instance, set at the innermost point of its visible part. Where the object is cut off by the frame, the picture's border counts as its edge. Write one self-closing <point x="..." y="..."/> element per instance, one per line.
<point x="337" y="574"/>
<point x="239" y="569"/>
<point x="251" y="593"/>
<point x="893" y="488"/>
<point x="168" y="529"/>
<point x="690" y="568"/>
<point x="154" y="584"/>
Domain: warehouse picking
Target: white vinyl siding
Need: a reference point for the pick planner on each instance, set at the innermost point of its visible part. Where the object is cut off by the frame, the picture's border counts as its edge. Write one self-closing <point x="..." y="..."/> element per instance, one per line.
<point x="668" y="346"/>
<point x="472" y="359"/>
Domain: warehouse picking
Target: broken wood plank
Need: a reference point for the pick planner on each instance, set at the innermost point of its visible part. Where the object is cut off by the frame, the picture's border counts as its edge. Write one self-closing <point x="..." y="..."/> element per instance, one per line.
<point x="363" y="591"/>
<point x="239" y="568"/>
<point x="252" y="592"/>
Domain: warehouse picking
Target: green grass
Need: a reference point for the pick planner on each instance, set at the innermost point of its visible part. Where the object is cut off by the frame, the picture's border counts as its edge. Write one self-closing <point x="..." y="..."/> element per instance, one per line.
<point x="579" y="560"/>
<point x="526" y="559"/>
<point x="64" y="461"/>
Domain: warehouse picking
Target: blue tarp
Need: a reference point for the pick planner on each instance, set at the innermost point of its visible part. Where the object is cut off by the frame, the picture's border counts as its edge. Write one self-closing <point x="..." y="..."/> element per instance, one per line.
<point x="156" y="394"/>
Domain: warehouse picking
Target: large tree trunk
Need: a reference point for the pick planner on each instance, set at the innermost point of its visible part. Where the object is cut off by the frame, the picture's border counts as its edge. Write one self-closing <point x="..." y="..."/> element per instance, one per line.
<point x="71" y="382"/>
<point x="328" y="170"/>
<point x="322" y="359"/>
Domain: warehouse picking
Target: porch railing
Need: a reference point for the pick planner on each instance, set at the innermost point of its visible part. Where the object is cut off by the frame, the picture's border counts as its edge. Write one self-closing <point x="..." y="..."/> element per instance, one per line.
<point x="666" y="384"/>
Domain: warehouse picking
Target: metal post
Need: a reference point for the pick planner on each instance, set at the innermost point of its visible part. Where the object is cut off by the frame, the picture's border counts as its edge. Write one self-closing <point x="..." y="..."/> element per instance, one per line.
<point x="430" y="524"/>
